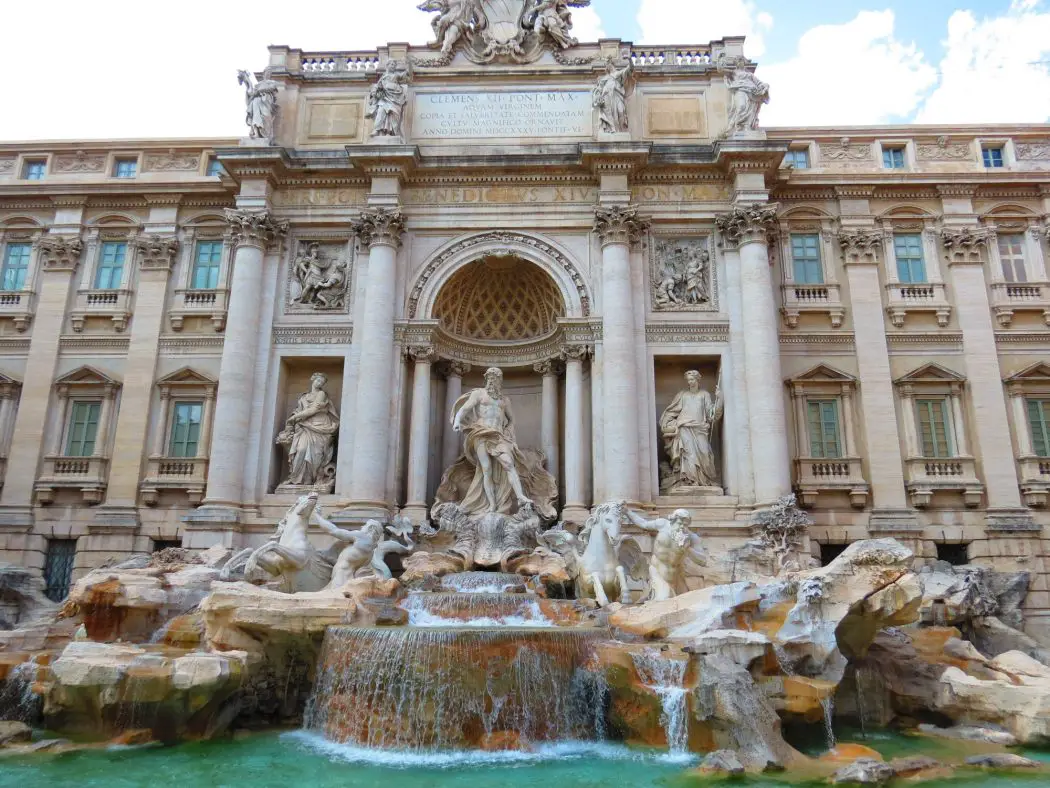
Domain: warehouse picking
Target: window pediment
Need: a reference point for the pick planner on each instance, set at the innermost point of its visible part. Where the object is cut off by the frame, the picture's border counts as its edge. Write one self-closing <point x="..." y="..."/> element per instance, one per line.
<point x="931" y="374"/>
<point x="86" y="376"/>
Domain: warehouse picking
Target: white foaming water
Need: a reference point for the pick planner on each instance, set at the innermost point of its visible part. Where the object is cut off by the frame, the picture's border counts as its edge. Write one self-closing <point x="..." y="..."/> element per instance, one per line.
<point x="829" y="713"/>
<point x="475" y="610"/>
<point x="482" y="582"/>
<point x="666" y="678"/>
<point x="449" y="759"/>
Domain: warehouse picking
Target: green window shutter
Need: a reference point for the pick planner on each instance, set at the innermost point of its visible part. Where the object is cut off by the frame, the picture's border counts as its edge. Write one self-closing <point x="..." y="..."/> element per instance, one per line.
<point x="185" y="429"/>
<point x="111" y="266"/>
<point x="805" y="256"/>
<point x="206" y="265"/>
<point x="934" y="428"/>
<point x="16" y="264"/>
<point x="911" y="264"/>
<point x="83" y="429"/>
<point x="824" y="441"/>
<point x="1039" y="423"/>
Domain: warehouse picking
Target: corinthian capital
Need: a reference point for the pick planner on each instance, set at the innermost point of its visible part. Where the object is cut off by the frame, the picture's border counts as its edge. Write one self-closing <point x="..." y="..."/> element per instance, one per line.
<point x="965" y="244"/>
<point x="860" y="246"/>
<point x="617" y="224"/>
<point x="156" y="252"/>
<point x="380" y="227"/>
<point x="254" y="228"/>
<point x="748" y="224"/>
<point x="58" y="253"/>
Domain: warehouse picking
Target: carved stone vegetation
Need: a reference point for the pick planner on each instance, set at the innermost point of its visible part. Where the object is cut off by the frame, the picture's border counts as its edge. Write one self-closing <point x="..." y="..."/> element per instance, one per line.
<point x="617" y="224"/>
<point x="254" y="228"/>
<point x="156" y="252"/>
<point x="59" y="254"/>
<point x="379" y="227"/>
<point x="748" y="224"/>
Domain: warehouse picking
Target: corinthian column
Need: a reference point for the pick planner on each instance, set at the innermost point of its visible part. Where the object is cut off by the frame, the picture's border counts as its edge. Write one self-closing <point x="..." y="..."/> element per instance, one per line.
<point x="619" y="227"/>
<point x="576" y="452"/>
<point x="747" y="228"/>
<point x="379" y="230"/>
<point x="450" y="439"/>
<point x="253" y="232"/>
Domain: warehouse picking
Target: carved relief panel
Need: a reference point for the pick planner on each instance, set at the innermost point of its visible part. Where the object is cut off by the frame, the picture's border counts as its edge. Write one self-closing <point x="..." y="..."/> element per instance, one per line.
<point x="319" y="274"/>
<point x="681" y="275"/>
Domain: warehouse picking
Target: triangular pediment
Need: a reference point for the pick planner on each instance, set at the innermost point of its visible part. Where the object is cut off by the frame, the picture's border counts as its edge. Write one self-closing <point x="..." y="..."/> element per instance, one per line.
<point x="932" y="373"/>
<point x="1040" y="371"/>
<point x="7" y="380"/>
<point x="86" y="376"/>
<point x="186" y="376"/>
<point x="822" y="373"/>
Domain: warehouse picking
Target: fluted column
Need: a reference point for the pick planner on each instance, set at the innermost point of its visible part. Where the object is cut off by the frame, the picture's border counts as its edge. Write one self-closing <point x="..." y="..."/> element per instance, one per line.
<point x="380" y="231"/>
<point x="576" y="453"/>
<point x="419" y="429"/>
<point x="253" y="232"/>
<point x="450" y="439"/>
<point x="549" y="414"/>
<point x="619" y="227"/>
<point x="747" y="228"/>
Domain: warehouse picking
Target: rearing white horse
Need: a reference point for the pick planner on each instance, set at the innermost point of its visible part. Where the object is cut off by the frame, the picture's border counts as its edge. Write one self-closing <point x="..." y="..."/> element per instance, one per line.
<point x="601" y="575"/>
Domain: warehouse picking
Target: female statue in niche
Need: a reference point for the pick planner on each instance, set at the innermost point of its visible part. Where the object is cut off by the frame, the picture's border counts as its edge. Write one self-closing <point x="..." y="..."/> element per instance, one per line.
<point x="309" y="435"/>
<point x="686" y="427"/>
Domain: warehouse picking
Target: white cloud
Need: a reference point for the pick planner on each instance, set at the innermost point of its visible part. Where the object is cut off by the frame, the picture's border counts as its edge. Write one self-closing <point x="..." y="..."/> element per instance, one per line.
<point x="854" y="73"/>
<point x="124" y="68"/>
<point x="991" y="71"/>
<point x="700" y="21"/>
<point x="587" y="25"/>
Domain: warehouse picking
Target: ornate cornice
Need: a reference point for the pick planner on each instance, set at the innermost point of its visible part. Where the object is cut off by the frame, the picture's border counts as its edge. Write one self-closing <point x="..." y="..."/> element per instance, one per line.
<point x="379" y="227"/>
<point x="60" y="254"/>
<point x="156" y="252"/>
<point x="966" y="244"/>
<point x="748" y="224"/>
<point x="254" y="228"/>
<point x="618" y="224"/>
<point x="860" y="246"/>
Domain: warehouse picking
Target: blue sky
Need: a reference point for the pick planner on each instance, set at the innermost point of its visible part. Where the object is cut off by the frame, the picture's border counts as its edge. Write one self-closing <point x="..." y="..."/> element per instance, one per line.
<point x="133" y="69"/>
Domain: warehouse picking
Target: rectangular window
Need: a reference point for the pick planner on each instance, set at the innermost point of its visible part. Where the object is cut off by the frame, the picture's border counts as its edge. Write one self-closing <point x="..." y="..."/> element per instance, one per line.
<point x="824" y="440"/>
<point x="893" y="158"/>
<point x="125" y="168"/>
<point x="992" y="156"/>
<point x="58" y="568"/>
<point x="1011" y="256"/>
<point x="1039" y="422"/>
<point x="797" y="159"/>
<point x="35" y="169"/>
<point x="206" y="265"/>
<point x="805" y="257"/>
<point x="16" y="264"/>
<point x="214" y="167"/>
<point x="185" y="429"/>
<point x="83" y="429"/>
<point x="911" y="265"/>
<point x="111" y="265"/>
<point x="934" y="428"/>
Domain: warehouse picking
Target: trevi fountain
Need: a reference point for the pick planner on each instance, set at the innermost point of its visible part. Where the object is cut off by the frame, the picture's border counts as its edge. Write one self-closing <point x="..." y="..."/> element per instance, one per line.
<point x="486" y="634"/>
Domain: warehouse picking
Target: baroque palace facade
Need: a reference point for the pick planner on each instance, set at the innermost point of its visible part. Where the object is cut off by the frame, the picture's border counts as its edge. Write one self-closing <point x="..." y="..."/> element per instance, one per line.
<point x="871" y="304"/>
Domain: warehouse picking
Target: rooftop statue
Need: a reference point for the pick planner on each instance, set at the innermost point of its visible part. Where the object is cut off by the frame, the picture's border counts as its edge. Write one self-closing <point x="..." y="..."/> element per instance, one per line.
<point x="455" y="21"/>
<point x="260" y="101"/>
<point x="610" y="98"/>
<point x="386" y="100"/>
<point x="747" y="95"/>
<point x="493" y="475"/>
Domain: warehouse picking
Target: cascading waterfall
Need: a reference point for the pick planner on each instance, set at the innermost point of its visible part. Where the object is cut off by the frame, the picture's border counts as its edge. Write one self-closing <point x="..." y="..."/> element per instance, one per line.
<point x="428" y="690"/>
<point x="17" y="699"/>
<point x="483" y="582"/>
<point x="828" y="704"/>
<point x="478" y="609"/>
<point x="666" y="677"/>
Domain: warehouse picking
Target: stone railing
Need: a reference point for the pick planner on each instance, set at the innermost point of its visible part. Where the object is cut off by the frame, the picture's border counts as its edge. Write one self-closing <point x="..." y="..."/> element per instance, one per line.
<point x="1035" y="480"/>
<point x="642" y="56"/>
<point x="17" y="306"/>
<point x="182" y="474"/>
<point x="112" y="304"/>
<point x="210" y="304"/>
<point x="922" y="297"/>
<point x="927" y="475"/>
<point x="1011" y="297"/>
<point x="814" y="476"/>
<point x="335" y="62"/>
<point x="823" y="298"/>
<point x="86" y="474"/>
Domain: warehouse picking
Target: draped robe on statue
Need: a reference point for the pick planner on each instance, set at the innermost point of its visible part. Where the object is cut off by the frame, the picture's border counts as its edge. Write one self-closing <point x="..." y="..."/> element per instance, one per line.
<point x="463" y="482"/>
<point x="687" y="425"/>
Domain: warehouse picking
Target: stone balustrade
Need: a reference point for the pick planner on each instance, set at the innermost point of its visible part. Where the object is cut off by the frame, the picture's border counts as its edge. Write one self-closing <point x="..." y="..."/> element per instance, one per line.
<point x="844" y="474"/>
<point x="928" y="475"/>
<point x="185" y="474"/>
<point x="112" y="304"/>
<point x="189" y="303"/>
<point x="87" y="474"/>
